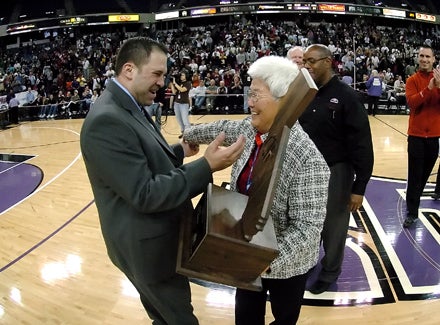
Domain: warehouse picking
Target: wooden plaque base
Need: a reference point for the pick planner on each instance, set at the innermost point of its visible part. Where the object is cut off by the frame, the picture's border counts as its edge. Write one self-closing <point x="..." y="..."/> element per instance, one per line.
<point x="211" y="250"/>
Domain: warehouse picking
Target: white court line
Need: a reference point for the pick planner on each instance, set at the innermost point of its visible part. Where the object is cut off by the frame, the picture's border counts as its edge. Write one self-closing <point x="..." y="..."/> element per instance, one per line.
<point x="394" y="259"/>
<point x="343" y="298"/>
<point x="55" y="177"/>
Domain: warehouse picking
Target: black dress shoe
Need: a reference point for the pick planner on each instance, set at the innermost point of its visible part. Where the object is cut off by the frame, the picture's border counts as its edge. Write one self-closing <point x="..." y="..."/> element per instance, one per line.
<point x="410" y="219"/>
<point x="435" y="196"/>
<point x="319" y="287"/>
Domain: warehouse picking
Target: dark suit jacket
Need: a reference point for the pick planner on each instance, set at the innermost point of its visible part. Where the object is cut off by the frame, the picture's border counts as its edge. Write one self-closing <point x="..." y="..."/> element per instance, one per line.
<point x="140" y="186"/>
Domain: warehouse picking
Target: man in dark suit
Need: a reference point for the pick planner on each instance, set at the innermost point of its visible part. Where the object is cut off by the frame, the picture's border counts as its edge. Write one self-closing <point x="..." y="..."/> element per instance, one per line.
<point x="141" y="187"/>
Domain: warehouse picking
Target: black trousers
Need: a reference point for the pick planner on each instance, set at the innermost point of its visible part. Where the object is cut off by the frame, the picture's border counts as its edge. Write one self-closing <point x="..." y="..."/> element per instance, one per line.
<point x="373" y="104"/>
<point x="168" y="302"/>
<point x="437" y="182"/>
<point x="286" y="296"/>
<point x="422" y="154"/>
<point x="13" y="115"/>
<point x="334" y="233"/>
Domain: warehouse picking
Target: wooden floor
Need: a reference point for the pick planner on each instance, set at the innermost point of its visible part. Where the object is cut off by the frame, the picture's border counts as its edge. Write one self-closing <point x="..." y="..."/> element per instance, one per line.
<point x="53" y="263"/>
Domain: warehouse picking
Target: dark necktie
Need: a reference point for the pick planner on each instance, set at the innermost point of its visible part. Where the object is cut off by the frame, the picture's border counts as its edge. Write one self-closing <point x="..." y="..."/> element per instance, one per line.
<point x="148" y="117"/>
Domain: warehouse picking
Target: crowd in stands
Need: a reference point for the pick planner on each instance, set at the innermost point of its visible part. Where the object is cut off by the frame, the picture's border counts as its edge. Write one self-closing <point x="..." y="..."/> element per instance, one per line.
<point x="68" y="73"/>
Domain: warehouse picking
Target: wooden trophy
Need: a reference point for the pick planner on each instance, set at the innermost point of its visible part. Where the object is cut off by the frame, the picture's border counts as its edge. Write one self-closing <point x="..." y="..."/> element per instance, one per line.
<point x="231" y="239"/>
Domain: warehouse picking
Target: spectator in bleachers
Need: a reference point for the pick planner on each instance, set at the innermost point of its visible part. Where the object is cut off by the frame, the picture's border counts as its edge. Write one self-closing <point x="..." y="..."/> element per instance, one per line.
<point x="237" y="90"/>
<point x="63" y="59"/>
<point x="211" y="92"/>
<point x="203" y="68"/>
<point x="94" y="97"/>
<point x="221" y="102"/>
<point x="30" y="97"/>
<point x="96" y="82"/>
<point x="44" y="109"/>
<point x="34" y="109"/>
<point x="347" y="78"/>
<point x="399" y="86"/>
<point x="295" y="54"/>
<point x="53" y="107"/>
<point x="85" y="101"/>
<point x="73" y="105"/>
<point x="199" y="97"/>
<point x="65" y="100"/>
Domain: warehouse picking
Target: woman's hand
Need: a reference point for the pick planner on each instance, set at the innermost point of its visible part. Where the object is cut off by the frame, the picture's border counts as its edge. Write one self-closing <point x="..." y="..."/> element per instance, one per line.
<point x="189" y="149"/>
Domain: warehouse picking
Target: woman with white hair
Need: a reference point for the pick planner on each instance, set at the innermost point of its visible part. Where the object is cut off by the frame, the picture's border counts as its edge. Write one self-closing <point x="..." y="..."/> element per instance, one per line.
<point x="300" y="196"/>
<point x="374" y="91"/>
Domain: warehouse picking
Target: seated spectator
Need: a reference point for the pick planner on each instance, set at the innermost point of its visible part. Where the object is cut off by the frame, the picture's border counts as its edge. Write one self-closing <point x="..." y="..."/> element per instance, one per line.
<point x="399" y="86"/>
<point x="96" y="82"/>
<point x="396" y="96"/>
<point x="94" y="97"/>
<point x="191" y="95"/>
<point x="211" y="92"/>
<point x="45" y="107"/>
<point x="85" y="102"/>
<point x="195" y="80"/>
<point x="30" y="97"/>
<point x="347" y="78"/>
<point x="35" y="108"/>
<point x="199" y="97"/>
<point x="72" y="106"/>
<point x="221" y="102"/>
<point x="65" y="101"/>
<point x="52" y="107"/>
<point x="59" y="102"/>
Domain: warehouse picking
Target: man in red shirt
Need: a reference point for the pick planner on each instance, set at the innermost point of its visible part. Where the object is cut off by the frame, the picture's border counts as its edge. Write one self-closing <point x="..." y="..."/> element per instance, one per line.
<point x="423" y="97"/>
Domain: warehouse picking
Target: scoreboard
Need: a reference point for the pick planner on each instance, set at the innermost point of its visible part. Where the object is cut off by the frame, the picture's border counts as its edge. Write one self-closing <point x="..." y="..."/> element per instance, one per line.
<point x="312" y="8"/>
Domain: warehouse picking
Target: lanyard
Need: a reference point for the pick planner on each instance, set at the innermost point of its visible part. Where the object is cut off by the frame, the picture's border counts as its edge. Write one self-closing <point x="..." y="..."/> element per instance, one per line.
<point x="258" y="142"/>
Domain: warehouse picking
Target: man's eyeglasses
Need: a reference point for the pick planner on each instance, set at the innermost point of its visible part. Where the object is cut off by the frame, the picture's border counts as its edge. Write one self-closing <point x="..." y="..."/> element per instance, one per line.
<point x="312" y="61"/>
<point x="254" y="96"/>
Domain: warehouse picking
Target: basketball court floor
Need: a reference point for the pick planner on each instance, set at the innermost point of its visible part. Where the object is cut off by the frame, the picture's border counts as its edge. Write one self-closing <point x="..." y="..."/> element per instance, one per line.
<point x="54" y="268"/>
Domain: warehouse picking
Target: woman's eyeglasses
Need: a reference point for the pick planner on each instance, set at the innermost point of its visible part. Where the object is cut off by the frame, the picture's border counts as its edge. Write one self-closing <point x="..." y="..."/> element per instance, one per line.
<point x="254" y="96"/>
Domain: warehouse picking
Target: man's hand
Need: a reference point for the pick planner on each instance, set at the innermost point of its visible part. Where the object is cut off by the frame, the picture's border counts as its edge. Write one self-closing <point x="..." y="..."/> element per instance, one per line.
<point x="220" y="157"/>
<point x="355" y="202"/>
<point x="437" y="77"/>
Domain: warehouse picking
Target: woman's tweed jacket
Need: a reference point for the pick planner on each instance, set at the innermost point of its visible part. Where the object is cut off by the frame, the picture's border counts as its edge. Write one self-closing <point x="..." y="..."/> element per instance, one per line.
<point x="300" y="199"/>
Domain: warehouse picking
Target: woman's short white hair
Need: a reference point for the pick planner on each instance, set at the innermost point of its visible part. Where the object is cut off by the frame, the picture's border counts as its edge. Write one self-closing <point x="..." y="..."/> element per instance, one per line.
<point x="276" y="71"/>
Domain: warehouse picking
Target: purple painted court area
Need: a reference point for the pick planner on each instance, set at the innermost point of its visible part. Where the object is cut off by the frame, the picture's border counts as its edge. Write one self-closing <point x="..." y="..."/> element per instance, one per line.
<point x="17" y="181"/>
<point x="417" y="248"/>
<point x="352" y="277"/>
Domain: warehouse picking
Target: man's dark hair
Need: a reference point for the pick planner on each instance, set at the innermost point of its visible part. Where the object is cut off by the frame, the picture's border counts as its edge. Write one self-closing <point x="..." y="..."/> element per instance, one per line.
<point x="321" y="48"/>
<point x="427" y="46"/>
<point x="138" y="51"/>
